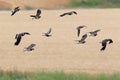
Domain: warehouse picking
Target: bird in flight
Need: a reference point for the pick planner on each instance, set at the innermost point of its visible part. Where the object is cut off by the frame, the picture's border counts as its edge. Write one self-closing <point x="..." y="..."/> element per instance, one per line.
<point x="37" y="16"/>
<point x="68" y="13"/>
<point x="18" y="37"/>
<point x="16" y="9"/>
<point x="79" y="28"/>
<point x="94" y="33"/>
<point x="47" y="34"/>
<point x="82" y="40"/>
<point x="30" y="47"/>
<point x="104" y="43"/>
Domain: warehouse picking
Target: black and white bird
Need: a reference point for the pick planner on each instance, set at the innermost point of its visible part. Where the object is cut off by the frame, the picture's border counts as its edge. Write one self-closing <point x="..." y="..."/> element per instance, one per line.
<point x="94" y="33"/>
<point x="68" y="13"/>
<point x="16" y="9"/>
<point x="79" y="28"/>
<point x="104" y="43"/>
<point x="37" y="16"/>
<point x="82" y="40"/>
<point x="48" y="33"/>
<point x="30" y="47"/>
<point x="18" y="37"/>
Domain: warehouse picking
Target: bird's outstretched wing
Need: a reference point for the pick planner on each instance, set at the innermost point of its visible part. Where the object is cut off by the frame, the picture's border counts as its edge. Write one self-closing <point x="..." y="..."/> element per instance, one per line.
<point x="104" y="43"/>
<point x="22" y="34"/>
<point x="110" y="41"/>
<point x="49" y="31"/>
<point x="62" y="14"/>
<point x="79" y="27"/>
<point x="32" y="16"/>
<point x="38" y="12"/>
<point x="18" y="40"/>
<point x="13" y="12"/>
<point x="17" y="7"/>
<point x="31" y="46"/>
<point x="78" y="33"/>
<point x="27" y="33"/>
<point x="16" y="36"/>
<point x="97" y="30"/>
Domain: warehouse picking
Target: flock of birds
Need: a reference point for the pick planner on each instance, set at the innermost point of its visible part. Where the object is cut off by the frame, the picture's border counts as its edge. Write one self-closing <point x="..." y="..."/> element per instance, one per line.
<point x="19" y="36"/>
<point x="92" y="33"/>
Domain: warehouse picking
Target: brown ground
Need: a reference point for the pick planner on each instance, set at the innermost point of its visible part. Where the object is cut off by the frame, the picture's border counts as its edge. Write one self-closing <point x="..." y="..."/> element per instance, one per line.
<point x="60" y="52"/>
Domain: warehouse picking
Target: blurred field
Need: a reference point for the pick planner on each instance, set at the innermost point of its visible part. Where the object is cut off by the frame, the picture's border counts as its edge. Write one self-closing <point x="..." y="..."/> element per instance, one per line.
<point x="58" y="4"/>
<point x="14" y="75"/>
<point x="32" y="4"/>
<point x="60" y="52"/>
<point x="95" y="3"/>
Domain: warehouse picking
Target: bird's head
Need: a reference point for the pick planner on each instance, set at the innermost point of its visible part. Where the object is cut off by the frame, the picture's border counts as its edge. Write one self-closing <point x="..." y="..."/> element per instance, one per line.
<point x="75" y="12"/>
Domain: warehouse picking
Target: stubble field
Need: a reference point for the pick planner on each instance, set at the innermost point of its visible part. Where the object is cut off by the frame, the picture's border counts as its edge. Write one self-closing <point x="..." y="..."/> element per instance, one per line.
<point x="60" y="52"/>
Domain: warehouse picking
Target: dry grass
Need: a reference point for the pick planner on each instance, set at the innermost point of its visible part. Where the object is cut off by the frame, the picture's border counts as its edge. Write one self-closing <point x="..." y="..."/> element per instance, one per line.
<point x="60" y="52"/>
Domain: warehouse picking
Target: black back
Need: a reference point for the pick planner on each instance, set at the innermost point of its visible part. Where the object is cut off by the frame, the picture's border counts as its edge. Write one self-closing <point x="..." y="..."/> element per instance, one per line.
<point x="104" y="44"/>
<point x="38" y="12"/>
<point x="84" y="37"/>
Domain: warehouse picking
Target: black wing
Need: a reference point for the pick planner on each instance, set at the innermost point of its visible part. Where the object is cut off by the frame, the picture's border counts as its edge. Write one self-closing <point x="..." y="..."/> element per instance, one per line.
<point x="110" y="41"/>
<point x="13" y="12"/>
<point x="22" y="34"/>
<point x="31" y="46"/>
<point x="18" y="40"/>
<point x="79" y="27"/>
<point x="78" y="33"/>
<point x="97" y="30"/>
<point x="38" y="12"/>
<point x="16" y="8"/>
<point x="16" y="36"/>
<point x="49" y="31"/>
<point x="104" y="43"/>
<point x="62" y="14"/>
<point x="32" y="16"/>
<point x="26" y="33"/>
